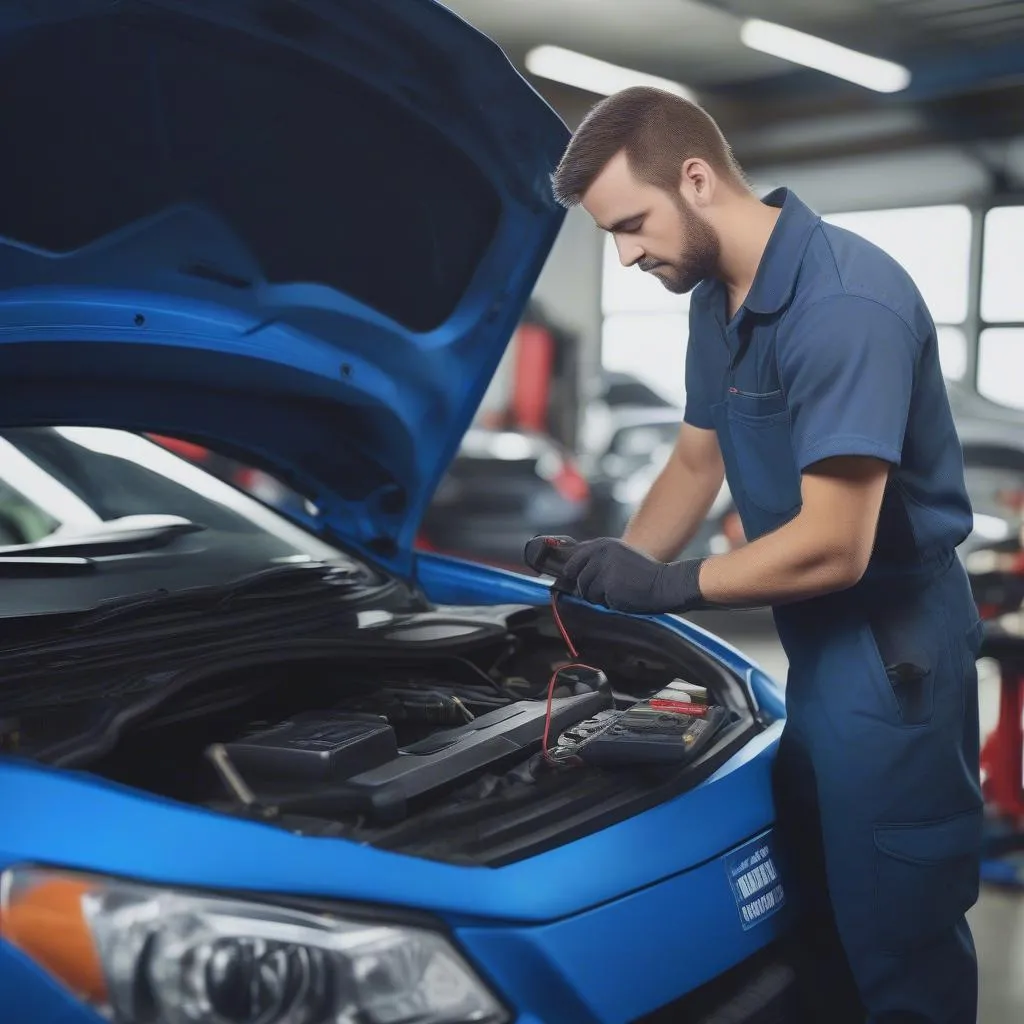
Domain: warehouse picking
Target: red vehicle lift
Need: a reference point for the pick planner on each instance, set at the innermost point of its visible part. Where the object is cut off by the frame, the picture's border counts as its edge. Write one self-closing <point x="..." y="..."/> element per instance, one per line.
<point x="1002" y="756"/>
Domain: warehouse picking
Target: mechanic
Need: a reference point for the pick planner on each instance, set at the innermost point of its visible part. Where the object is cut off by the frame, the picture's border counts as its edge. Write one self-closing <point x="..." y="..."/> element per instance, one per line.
<point x="813" y="386"/>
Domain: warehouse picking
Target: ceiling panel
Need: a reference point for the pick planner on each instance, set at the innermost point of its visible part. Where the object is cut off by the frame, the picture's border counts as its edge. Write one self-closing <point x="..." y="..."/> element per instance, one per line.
<point x="689" y="42"/>
<point x="952" y="22"/>
<point x="967" y="59"/>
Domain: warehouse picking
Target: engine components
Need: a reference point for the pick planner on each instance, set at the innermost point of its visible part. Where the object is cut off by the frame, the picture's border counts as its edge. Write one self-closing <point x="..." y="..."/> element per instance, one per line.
<point x="674" y="726"/>
<point x="579" y="679"/>
<point x="445" y="759"/>
<point x="315" y="746"/>
<point x="411" y="704"/>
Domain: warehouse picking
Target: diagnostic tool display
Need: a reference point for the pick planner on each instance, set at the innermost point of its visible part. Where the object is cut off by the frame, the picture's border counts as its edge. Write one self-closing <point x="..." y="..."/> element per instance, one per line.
<point x="675" y="726"/>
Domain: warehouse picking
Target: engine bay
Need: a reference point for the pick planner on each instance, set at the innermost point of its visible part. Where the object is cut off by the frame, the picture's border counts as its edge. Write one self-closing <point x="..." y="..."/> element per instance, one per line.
<point x="461" y="734"/>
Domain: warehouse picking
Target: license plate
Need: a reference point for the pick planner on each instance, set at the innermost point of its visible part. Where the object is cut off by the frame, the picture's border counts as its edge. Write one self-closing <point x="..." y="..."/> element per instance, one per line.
<point x="755" y="882"/>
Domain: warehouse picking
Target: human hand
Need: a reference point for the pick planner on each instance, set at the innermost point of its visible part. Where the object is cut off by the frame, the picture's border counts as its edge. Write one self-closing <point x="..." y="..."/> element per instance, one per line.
<point x="611" y="573"/>
<point x="606" y="571"/>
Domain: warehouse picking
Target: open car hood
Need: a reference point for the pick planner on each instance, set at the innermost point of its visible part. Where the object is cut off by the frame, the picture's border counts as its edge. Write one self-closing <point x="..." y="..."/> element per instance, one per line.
<point x="300" y="231"/>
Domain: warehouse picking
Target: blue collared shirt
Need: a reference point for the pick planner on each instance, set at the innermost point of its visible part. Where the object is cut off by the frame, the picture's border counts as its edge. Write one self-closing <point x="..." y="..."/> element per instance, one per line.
<point x="835" y="339"/>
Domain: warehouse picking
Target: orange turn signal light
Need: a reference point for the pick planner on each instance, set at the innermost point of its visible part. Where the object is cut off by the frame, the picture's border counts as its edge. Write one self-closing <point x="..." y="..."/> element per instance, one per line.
<point x="41" y="913"/>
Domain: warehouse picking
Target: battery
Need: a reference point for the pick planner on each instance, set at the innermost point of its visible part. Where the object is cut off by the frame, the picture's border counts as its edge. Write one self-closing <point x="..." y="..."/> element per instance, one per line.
<point x="315" y="746"/>
<point x="679" y="689"/>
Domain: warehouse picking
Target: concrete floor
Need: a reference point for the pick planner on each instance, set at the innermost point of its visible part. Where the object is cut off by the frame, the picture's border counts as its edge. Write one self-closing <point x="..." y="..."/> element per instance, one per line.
<point x="998" y="918"/>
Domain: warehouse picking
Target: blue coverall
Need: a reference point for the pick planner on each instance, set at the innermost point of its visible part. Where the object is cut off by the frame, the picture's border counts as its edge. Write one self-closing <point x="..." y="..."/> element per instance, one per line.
<point x="834" y="353"/>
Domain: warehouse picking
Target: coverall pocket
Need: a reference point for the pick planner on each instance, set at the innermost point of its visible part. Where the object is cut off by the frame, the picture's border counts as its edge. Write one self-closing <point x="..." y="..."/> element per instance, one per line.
<point x="906" y="644"/>
<point x="764" y="453"/>
<point x="927" y="876"/>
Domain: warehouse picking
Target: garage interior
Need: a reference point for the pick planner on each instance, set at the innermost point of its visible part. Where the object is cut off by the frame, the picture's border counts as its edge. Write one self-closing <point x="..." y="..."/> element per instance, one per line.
<point x="933" y="172"/>
<point x="902" y="120"/>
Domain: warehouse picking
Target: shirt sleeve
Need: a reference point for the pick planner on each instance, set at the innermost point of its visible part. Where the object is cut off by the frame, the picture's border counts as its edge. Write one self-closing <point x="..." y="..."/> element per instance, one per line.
<point x="698" y="399"/>
<point x="847" y="365"/>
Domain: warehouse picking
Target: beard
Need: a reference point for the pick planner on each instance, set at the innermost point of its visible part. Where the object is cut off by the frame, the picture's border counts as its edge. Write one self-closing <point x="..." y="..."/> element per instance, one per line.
<point x="698" y="260"/>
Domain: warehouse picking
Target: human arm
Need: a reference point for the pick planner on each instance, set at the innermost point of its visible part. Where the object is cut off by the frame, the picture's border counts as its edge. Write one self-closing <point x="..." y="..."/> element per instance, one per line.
<point x="680" y="497"/>
<point x="684" y="491"/>
<point x="825" y="548"/>
<point x="848" y="375"/>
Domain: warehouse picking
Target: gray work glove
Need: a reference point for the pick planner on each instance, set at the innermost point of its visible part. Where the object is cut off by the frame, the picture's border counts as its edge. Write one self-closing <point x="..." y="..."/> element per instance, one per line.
<point x="610" y="573"/>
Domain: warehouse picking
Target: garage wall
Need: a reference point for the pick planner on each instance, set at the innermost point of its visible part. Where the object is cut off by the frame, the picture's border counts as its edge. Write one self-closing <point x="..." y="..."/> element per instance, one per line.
<point x="570" y="285"/>
<point x="920" y="178"/>
<point x="569" y="288"/>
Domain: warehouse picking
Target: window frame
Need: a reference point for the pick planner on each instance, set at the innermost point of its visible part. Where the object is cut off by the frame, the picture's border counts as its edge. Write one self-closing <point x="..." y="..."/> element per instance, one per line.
<point x="969" y="375"/>
<point x="971" y="327"/>
<point x="977" y="324"/>
<point x="617" y="305"/>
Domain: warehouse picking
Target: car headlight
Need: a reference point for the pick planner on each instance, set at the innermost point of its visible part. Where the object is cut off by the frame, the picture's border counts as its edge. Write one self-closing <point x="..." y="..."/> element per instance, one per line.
<point x="147" y="955"/>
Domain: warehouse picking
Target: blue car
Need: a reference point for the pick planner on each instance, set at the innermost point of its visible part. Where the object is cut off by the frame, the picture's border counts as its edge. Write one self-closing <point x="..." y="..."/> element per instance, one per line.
<point x="269" y="770"/>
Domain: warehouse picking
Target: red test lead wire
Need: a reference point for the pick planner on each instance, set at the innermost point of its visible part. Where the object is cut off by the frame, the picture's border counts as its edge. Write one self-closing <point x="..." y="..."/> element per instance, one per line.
<point x="569" y="646"/>
<point x="573" y="653"/>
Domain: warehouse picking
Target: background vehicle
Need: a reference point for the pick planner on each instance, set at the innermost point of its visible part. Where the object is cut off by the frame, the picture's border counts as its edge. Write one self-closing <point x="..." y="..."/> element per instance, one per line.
<point x="633" y="443"/>
<point x="502" y="488"/>
<point x="638" y="443"/>
<point x="993" y="444"/>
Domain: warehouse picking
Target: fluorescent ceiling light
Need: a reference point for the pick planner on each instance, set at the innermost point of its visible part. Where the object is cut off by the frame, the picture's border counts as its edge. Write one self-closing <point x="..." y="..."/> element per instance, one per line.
<point x="812" y="52"/>
<point x="591" y="74"/>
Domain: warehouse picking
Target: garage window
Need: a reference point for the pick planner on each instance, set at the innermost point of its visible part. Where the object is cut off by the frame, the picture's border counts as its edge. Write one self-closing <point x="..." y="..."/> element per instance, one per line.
<point x="1001" y="342"/>
<point x="645" y="327"/>
<point x="1001" y="365"/>
<point x="933" y="243"/>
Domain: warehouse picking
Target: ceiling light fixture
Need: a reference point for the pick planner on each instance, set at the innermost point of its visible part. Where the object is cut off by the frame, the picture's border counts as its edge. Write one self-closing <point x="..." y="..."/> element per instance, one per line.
<point x="812" y="52"/>
<point x="591" y="74"/>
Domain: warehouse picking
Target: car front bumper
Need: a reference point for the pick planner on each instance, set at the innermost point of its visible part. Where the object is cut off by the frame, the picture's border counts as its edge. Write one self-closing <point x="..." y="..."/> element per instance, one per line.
<point x="611" y="964"/>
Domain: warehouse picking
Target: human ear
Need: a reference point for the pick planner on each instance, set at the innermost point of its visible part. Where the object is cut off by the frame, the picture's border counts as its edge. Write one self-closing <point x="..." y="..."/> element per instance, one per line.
<point x="697" y="182"/>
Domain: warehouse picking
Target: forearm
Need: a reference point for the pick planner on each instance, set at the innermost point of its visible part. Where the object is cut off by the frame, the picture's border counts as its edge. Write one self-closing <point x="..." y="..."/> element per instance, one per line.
<point x="673" y="510"/>
<point x="826" y="548"/>
<point x="798" y="561"/>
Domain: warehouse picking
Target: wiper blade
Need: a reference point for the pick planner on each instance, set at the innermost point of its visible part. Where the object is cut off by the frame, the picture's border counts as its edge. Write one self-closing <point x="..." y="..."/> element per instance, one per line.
<point x="297" y="574"/>
<point x="115" y="537"/>
<point x="276" y="581"/>
<point x="46" y="568"/>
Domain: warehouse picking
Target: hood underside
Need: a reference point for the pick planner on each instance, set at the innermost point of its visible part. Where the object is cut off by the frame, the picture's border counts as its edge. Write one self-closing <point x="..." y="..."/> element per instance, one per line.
<point x="300" y="232"/>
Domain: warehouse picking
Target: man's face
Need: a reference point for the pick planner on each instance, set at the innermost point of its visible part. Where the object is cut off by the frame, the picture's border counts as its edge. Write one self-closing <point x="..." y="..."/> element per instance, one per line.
<point x="657" y="231"/>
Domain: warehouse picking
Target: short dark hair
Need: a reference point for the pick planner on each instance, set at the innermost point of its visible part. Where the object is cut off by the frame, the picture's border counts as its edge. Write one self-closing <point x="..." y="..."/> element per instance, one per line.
<point x="658" y="131"/>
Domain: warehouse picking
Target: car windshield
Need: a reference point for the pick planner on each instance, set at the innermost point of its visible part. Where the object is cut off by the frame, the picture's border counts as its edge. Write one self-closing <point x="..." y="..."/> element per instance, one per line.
<point x="59" y="482"/>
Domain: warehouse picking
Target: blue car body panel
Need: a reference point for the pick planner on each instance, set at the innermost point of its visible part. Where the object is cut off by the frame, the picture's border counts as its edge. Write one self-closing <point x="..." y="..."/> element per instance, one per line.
<point x="362" y="414"/>
<point x="79" y="821"/>
<point x="601" y="930"/>
<point x="626" y="958"/>
<point x="178" y="295"/>
<point x="734" y="804"/>
<point x="605" y="966"/>
<point x="541" y="929"/>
